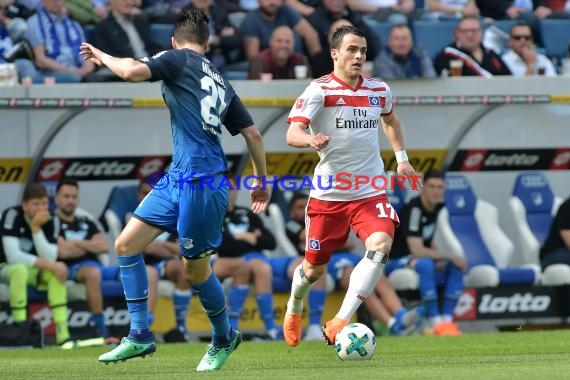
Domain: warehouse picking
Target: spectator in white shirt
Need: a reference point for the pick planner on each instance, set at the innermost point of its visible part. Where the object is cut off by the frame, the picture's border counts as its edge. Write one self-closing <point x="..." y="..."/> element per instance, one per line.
<point x="522" y="58"/>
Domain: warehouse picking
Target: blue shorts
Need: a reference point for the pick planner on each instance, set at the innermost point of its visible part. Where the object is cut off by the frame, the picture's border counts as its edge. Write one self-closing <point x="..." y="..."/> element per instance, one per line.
<point x="339" y="262"/>
<point x="195" y="213"/>
<point x="107" y="273"/>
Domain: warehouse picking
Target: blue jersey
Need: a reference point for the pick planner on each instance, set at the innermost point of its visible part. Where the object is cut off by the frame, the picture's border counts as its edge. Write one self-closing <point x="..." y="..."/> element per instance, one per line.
<point x="201" y="101"/>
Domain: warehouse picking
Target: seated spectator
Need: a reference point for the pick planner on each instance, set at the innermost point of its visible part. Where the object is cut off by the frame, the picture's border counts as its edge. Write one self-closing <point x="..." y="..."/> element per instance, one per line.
<point x="304" y="7"/>
<point x="392" y="11"/>
<point x="468" y="48"/>
<point x="28" y="256"/>
<point x="280" y="58"/>
<point x="125" y="33"/>
<point x="258" y="25"/>
<point x="101" y="9"/>
<point x="81" y="11"/>
<point x="558" y="5"/>
<point x="449" y="9"/>
<point x="13" y="46"/>
<point x="413" y="248"/>
<point x="333" y="10"/>
<point x="322" y="63"/>
<point x="29" y="6"/>
<point x="522" y="58"/>
<point x="163" y="11"/>
<point x="163" y="261"/>
<point x="556" y="247"/>
<point x="401" y="58"/>
<point x="56" y="40"/>
<point x="78" y="243"/>
<point x="244" y="237"/>
<point x="225" y="40"/>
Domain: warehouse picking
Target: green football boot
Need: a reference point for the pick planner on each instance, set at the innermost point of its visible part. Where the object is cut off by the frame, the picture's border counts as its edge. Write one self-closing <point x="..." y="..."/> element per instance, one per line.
<point x="128" y="349"/>
<point x="215" y="357"/>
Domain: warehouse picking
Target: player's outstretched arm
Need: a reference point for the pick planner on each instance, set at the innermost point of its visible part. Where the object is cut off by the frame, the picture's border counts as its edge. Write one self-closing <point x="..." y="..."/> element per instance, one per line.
<point x="395" y="136"/>
<point x="254" y="141"/>
<point x="125" y="68"/>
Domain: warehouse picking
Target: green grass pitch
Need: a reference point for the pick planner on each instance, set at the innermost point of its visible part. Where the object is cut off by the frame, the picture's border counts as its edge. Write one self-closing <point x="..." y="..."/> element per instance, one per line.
<point x="483" y="356"/>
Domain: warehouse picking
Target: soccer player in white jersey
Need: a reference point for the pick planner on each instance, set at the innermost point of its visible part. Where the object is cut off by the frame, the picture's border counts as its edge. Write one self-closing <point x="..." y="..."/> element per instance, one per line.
<point x="343" y="112"/>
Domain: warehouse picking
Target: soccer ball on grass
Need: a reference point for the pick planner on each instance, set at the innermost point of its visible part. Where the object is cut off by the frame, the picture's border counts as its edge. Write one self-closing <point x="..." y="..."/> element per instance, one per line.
<point x="355" y="341"/>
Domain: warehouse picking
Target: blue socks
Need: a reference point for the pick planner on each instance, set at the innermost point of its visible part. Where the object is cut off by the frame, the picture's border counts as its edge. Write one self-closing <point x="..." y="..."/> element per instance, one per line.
<point x="135" y="285"/>
<point x="181" y="300"/>
<point x="316" y="301"/>
<point x="98" y="321"/>
<point x="267" y="314"/>
<point x="211" y="295"/>
<point x="236" y="299"/>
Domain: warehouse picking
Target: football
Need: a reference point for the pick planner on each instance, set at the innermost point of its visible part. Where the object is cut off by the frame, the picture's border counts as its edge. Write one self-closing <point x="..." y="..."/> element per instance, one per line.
<point x="355" y="341"/>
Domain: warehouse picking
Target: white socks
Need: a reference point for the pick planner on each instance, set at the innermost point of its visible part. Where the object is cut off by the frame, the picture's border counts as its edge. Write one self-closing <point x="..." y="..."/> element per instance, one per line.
<point x="299" y="289"/>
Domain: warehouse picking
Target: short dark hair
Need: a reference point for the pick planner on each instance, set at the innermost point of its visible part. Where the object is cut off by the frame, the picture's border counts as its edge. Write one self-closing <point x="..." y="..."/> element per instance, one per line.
<point x="296" y="196"/>
<point x="342" y="31"/>
<point x="192" y="26"/>
<point x="433" y="173"/>
<point x="34" y="191"/>
<point x="519" y="24"/>
<point x="67" y="181"/>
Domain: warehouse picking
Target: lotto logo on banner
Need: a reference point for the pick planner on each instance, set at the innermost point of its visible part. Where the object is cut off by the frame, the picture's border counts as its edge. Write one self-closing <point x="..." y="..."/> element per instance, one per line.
<point x="466" y="308"/>
<point x="51" y="169"/>
<point x="149" y="165"/>
<point x="511" y="159"/>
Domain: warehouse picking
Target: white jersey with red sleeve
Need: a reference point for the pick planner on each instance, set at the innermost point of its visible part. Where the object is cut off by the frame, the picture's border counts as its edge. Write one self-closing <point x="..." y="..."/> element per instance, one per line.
<point x="351" y="117"/>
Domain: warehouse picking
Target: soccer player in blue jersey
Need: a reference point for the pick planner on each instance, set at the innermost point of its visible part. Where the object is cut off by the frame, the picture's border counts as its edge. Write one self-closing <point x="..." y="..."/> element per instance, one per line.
<point x="200" y="101"/>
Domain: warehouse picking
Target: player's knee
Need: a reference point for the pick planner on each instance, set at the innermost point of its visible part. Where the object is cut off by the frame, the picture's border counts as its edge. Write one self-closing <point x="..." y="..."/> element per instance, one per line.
<point x="18" y="272"/>
<point x="313" y="272"/>
<point x="261" y="268"/>
<point x="425" y="266"/>
<point x="122" y="247"/>
<point x="92" y="275"/>
<point x="152" y="274"/>
<point x="379" y="242"/>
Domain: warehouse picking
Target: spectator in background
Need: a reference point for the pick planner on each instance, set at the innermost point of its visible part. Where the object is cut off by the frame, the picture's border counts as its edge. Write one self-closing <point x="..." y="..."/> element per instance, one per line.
<point x="163" y="11"/>
<point x="30" y="6"/>
<point x="244" y="237"/>
<point x="28" y="255"/>
<point x="56" y="40"/>
<point x="81" y="11"/>
<point x="304" y="7"/>
<point x="164" y="262"/>
<point x="558" y="5"/>
<point x="333" y="10"/>
<point x="225" y="40"/>
<point x="413" y="248"/>
<point x="101" y="9"/>
<point x="322" y="63"/>
<point x="522" y="58"/>
<point x="79" y="241"/>
<point x="259" y="24"/>
<point x="468" y="48"/>
<point x="449" y="9"/>
<point x="392" y="11"/>
<point x="401" y="58"/>
<point x="280" y="58"/>
<point x="13" y="46"/>
<point x="556" y="247"/>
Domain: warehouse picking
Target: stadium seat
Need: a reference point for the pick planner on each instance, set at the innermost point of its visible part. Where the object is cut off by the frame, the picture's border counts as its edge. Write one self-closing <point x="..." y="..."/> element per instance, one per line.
<point x="433" y="36"/>
<point x="555" y="37"/>
<point x="396" y="195"/>
<point x="381" y="29"/>
<point x="533" y="206"/>
<point x="161" y="34"/>
<point x="469" y="226"/>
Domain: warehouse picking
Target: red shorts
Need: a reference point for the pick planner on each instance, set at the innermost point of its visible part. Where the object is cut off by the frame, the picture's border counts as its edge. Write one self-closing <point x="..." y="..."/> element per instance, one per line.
<point x="328" y="224"/>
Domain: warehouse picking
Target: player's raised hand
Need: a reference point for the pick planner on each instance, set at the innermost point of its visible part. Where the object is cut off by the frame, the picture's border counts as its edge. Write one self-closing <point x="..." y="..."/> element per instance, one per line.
<point x="319" y="141"/>
<point x="91" y="53"/>
<point x="414" y="179"/>
<point x="259" y="199"/>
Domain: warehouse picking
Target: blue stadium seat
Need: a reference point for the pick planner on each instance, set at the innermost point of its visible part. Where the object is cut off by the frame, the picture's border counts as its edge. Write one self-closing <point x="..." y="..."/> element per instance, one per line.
<point x="381" y="29"/>
<point x="555" y="37"/>
<point x="161" y="34"/>
<point x="504" y="25"/>
<point x="434" y="36"/>
<point x="469" y="226"/>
